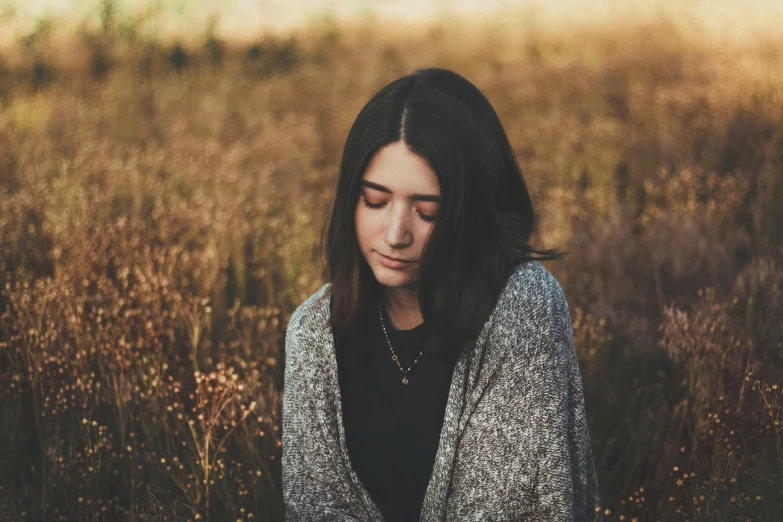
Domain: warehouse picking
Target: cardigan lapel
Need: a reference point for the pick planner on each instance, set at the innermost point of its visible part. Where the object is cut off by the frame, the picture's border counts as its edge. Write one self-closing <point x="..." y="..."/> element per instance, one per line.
<point x="326" y="391"/>
<point x="486" y="357"/>
<point x="434" y="505"/>
<point x="474" y="370"/>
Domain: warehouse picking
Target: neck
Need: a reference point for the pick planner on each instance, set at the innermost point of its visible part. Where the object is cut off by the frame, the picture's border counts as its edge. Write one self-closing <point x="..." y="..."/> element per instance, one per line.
<point x="402" y="306"/>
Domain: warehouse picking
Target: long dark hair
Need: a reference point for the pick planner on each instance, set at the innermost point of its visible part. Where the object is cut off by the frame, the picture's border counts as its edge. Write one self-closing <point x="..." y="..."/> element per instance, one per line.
<point x="484" y="220"/>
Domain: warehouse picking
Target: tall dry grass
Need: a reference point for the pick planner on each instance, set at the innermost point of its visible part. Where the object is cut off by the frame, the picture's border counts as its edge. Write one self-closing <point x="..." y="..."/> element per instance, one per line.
<point x="161" y="205"/>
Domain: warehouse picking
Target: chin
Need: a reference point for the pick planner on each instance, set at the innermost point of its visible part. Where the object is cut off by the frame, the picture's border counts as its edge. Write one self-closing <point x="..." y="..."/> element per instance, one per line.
<point x="391" y="278"/>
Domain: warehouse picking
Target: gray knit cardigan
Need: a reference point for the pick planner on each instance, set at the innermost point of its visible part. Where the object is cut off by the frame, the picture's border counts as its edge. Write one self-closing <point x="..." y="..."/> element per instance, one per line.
<point x="514" y="443"/>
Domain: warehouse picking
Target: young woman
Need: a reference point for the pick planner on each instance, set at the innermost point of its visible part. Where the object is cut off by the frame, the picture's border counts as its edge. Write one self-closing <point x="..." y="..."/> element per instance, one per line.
<point x="434" y="377"/>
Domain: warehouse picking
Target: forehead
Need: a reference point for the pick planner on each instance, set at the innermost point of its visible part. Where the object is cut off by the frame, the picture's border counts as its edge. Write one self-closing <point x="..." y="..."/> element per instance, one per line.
<point x="401" y="171"/>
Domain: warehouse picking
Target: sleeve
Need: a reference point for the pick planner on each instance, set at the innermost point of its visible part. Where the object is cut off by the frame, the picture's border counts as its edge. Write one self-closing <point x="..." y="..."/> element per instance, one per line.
<point x="566" y="485"/>
<point x="312" y="490"/>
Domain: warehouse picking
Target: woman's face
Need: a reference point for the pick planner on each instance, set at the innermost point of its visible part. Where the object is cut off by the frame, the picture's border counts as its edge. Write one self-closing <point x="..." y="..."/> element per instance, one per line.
<point x="396" y="213"/>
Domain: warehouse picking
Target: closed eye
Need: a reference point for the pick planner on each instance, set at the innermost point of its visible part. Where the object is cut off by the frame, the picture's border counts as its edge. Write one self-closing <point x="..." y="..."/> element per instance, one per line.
<point x="425" y="217"/>
<point x="373" y="205"/>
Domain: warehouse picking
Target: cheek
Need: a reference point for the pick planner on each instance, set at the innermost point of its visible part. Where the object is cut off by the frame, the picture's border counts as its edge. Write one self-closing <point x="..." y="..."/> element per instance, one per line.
<point x="364" y="227"/>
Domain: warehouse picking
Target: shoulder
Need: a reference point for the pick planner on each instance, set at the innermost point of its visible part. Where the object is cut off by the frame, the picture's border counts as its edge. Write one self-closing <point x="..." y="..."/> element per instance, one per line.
<point x="533" y="289"/>
<point x="310" y="317"/>
<point x="532" y="305"/>
<point x="533" y="278"/>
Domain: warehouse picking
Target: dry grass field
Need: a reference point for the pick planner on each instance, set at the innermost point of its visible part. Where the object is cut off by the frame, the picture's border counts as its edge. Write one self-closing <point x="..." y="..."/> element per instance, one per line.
<point x="161" y="205"/>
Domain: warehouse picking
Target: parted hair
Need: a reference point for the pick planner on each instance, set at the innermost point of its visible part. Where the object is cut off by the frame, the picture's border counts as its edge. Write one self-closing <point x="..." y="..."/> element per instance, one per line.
<point x="485" y="217"/>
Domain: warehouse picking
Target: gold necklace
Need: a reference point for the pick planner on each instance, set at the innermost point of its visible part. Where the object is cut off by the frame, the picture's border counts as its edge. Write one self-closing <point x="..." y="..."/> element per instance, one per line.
<point x="394" y="355"/>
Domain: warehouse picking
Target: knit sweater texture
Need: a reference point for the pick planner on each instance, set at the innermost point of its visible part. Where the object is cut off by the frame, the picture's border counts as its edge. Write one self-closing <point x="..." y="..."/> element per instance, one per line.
<point x="514" y="444"/>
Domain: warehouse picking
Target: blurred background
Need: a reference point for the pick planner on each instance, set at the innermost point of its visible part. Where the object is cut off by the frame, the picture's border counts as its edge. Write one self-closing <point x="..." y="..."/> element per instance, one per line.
<point x="165" y="173"/>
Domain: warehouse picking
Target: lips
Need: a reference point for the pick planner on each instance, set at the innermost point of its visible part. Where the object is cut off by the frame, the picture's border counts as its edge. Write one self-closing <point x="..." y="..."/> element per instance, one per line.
<point x="393" y="264"/>
<point x="395" y="259"/>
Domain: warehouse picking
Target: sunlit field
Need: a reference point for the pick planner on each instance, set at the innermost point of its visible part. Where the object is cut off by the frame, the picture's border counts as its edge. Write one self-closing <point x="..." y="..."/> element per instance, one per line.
<point x="162" y="197"/>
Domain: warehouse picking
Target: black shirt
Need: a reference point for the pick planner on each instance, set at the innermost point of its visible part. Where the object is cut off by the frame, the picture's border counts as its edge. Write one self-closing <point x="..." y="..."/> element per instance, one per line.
<point x="392" y="430"/>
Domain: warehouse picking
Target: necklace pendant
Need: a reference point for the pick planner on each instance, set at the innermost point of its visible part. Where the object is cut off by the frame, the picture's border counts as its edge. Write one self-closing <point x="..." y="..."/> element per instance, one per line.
<point x="405" y="380"/>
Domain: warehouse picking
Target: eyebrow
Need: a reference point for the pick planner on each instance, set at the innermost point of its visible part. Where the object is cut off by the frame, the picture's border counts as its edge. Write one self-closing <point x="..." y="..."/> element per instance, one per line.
<point x="415" y="197"/>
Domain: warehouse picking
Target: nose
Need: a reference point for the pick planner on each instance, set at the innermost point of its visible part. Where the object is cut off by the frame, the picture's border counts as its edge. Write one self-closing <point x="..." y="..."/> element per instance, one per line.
<point x="398" y="233"/>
